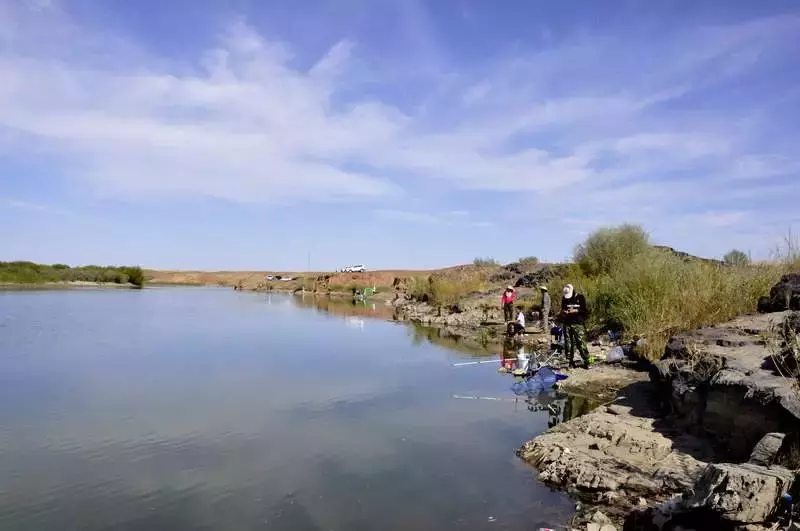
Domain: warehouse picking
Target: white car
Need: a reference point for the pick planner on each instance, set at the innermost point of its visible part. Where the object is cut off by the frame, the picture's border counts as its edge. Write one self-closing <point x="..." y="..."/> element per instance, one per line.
<point x="357" y="269"/>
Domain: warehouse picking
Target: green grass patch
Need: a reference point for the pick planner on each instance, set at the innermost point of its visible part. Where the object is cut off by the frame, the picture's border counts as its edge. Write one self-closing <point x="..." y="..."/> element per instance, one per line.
<point x="31" y="273"/>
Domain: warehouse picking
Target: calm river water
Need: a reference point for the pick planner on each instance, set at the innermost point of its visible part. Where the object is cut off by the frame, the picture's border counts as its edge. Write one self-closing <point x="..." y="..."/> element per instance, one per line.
<point x="207" y="409"/>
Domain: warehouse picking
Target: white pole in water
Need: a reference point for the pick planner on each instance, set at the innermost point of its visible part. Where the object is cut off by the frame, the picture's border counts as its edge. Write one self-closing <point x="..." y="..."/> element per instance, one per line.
<point x="490" y="398"/>
<point x="462" y="364"/>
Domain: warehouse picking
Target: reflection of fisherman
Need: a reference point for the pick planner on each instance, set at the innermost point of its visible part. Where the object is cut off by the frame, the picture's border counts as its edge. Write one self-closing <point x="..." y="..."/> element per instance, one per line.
<point x="573" y="317"/>
<point x="508" y="359"/>
<point x="548" y="401"/>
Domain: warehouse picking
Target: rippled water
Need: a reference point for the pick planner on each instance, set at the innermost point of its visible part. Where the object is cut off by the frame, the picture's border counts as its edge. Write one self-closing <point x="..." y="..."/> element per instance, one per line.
<point x="208" y="409"/>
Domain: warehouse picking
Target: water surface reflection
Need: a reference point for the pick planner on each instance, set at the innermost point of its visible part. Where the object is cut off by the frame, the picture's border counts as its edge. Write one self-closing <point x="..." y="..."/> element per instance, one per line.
<point x="207" y="409"/>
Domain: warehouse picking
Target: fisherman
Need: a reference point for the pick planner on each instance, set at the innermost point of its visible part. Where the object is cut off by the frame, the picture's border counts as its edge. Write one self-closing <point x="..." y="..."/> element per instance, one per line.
<point x="545" y="309"/>
<point x="573" y="317"/>
<point x="507" y="302"/>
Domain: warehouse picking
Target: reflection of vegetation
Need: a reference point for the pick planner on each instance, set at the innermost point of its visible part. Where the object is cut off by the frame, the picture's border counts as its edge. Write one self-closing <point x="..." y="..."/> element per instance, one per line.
<point x="343" y="306"/>
<point x="450" y="339"/>
<point x="32" y="273"/>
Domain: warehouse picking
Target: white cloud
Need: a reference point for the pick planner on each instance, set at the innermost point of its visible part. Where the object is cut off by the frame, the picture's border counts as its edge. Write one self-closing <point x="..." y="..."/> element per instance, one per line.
<point x="409" y="216"/>
<point x="453" y="218"/>
<point x="721" y="219"/>
<point x="245" y="124"/>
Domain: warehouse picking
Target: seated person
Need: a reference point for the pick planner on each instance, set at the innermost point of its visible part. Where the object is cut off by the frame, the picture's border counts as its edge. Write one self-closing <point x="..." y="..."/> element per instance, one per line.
<point x="519" y="325"/>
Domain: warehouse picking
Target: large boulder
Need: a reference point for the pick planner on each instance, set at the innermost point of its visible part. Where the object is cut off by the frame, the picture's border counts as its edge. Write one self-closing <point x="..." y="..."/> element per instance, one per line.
<point x="744" y="494"/>
<point x="713" y="382"/>
<point x="766" y="451"/>
<point x="785" y="295"/>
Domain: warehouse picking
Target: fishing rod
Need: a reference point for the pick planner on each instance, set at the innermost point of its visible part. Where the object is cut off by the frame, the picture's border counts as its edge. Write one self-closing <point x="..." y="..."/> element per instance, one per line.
<point x="464" y="363"/>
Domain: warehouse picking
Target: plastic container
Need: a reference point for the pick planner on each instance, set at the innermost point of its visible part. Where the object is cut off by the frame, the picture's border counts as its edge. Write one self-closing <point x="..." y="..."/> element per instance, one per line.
<point x="523" y="361"/>
<point x="615" y="354"/>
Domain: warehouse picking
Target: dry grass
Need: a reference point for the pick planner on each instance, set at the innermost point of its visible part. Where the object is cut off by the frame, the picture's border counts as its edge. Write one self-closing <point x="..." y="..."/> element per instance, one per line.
<point x="447" y="288"/>
<point x="654" y="294"/>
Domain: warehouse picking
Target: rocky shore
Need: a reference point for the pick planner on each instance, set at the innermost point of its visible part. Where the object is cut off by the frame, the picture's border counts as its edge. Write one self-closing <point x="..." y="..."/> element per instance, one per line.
<point x="706" y="438"/>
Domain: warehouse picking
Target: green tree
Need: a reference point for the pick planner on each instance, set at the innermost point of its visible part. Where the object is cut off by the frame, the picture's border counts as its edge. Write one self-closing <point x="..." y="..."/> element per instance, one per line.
<point x="735" y="257"/>
<point x="135" y="275"/>
<point x="608" y="248"/>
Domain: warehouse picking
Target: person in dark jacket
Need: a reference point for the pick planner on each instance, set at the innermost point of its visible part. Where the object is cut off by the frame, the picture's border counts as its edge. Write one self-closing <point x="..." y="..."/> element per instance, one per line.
<point x="573" y="317"/>
<point x="545" y="309"/>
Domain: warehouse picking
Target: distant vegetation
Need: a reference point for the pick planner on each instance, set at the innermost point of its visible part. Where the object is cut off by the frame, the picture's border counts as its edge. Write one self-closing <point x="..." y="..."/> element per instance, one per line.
<point x="789" y="252"/>
<point x="485" y="262"/>
<point x="445" y="289"/>
<point x="529" y="262"/>
<point x="735" y="257"/>
<point x="32" y="273"/>
<point x="653" y="293"/>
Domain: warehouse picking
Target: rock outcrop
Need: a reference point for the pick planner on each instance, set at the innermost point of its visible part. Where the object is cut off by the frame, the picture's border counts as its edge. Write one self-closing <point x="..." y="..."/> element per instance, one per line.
<point x="718" y="382"/>
<point x="618" y="454"/>
<point x="785" y="295"/>
<point x="741" y="494"/>
<point x="708" y="443"/>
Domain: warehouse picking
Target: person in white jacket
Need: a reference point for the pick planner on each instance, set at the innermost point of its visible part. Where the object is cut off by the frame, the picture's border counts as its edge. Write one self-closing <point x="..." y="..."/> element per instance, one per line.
<point x="519" y="326"/>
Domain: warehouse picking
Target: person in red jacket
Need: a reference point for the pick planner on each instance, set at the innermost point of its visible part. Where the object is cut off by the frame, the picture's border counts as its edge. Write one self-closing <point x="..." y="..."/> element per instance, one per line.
<point x="507" y="302"/>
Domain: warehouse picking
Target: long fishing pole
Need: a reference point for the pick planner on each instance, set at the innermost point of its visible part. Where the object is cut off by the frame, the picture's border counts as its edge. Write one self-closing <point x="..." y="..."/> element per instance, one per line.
<point x="464" y="363"/>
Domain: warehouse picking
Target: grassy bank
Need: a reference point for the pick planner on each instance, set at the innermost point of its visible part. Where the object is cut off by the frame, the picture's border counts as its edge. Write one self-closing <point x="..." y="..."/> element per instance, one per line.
<point x="32" y="273"/>
<point x="654" y="292"/>
<point x="630" y="284"/>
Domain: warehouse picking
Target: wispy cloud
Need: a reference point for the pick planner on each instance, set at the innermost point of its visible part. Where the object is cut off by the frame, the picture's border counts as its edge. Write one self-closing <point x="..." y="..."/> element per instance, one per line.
<point x="625" y="127"/>
<point x="452" y="218"/>
<point x="37" y="207"/>
<point x="409" y="217"/>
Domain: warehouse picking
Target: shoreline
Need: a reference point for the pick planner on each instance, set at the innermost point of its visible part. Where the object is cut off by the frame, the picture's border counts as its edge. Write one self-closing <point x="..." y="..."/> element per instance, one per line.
<point x="632" y="460"/>
<point x="80" y="284"/>
<point x="717" y="454"/>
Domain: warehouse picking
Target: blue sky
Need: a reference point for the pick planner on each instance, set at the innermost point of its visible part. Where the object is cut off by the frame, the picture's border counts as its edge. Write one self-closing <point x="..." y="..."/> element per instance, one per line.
<point x="245" y="134"/>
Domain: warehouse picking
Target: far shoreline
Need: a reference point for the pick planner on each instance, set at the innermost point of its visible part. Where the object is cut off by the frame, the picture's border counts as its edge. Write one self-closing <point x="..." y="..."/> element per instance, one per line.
<point x="24" y="286"/>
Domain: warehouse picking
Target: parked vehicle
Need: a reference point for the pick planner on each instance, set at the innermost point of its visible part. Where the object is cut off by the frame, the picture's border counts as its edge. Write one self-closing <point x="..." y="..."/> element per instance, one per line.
<point x="356" y="269"/>
<point x="270" y="277"/>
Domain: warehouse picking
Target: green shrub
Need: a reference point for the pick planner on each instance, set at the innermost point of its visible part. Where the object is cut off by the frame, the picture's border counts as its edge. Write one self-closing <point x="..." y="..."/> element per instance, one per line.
<point x="648" y="292"/>
<point x="135" y="275"/>
<point x="485" y="262"/>
<point x="528" y="262"/>
<point x="447" y="288"/>
<point x="608" y="248"/>
<point x="736" y="258"/>
<point x="30" y="273"/>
